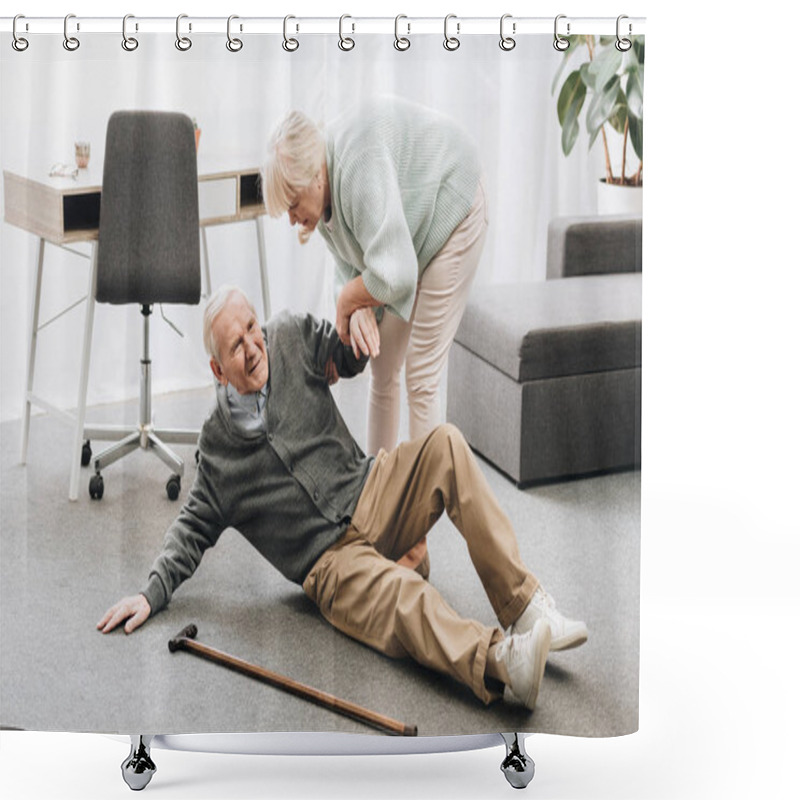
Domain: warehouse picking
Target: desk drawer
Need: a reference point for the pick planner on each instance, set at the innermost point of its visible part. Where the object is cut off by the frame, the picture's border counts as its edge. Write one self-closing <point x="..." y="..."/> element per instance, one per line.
<point x="217" y="199"/>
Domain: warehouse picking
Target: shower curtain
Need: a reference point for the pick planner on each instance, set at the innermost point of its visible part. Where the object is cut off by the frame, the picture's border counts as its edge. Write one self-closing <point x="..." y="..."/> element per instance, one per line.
<point x="552" y="127"/>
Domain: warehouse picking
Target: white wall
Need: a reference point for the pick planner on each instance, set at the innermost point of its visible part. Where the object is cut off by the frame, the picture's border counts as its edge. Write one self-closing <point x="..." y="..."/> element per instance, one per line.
<point x="52" y="97"/>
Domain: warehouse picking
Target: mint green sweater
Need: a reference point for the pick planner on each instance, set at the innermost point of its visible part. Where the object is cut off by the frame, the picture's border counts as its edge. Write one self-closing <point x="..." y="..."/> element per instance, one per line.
<point x="402" y="178"/>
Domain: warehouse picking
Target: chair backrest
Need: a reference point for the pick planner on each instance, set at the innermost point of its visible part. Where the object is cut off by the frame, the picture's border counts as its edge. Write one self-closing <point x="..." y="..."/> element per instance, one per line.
<point x="149" y="249"/>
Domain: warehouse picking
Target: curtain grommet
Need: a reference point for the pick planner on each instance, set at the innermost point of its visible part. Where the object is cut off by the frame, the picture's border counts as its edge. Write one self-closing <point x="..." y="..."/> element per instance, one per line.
<point x="71" y="43"/>
<point x="401" y="43"/>
<point x="129" y="43"/>
<point x="451" y="43"/>
<point x="182" y="43"/>
<point x="559" y="42"/>
<point x="507" y="43"/>
<point x="233" y="44"/>
<point x="289" y="44"/>
<point x="19" y="43"/>
<point x="346" y="43"/>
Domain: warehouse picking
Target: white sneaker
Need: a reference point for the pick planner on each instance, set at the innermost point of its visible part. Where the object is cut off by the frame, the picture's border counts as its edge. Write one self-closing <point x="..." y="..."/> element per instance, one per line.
<point x="566" y="633"/>
<point x="524" y="656"/>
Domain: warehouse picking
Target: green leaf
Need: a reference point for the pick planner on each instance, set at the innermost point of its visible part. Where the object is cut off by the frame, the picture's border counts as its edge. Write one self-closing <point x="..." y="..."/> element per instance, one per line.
<point x="605" y="65"/>
<point x="634" y="91"/>
<point x="636" y="134"/>
<point x="638" y="47"/>
<point x="563" y="63"/>
<point x="602" y="105"/>
<point x="593" y="136"/>
<point x="586" y="76"/>
<point x="575" y="42"/>
<point x="572" y="95"/>
<point x="571" y="128"/>
<point x="619" y="114"/>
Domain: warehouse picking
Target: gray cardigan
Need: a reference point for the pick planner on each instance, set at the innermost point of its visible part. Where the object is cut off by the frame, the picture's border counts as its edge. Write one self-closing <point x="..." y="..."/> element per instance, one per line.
<point x="290" y="491"/>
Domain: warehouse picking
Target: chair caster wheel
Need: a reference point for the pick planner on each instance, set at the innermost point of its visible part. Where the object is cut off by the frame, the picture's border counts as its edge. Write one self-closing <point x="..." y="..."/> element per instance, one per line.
<point x="96" y="487"/>
<point x="518" y="766"/>
<point x="138" y="768"/>
<point x="174" y="487"/>
<point x="86" y="454"/>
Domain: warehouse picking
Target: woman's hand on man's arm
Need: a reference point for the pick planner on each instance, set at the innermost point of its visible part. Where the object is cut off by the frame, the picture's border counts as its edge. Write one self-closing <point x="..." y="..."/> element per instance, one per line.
<point x="354" y="296"/>
<point x="365" y="337"/>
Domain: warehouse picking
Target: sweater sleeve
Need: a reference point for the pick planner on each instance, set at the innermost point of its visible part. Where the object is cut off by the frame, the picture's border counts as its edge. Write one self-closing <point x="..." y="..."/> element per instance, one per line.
<point x="343" y="273"/>
<point x="372" y="207"/>
<point x="197" y="527"/>
<point x="322" y="343"/>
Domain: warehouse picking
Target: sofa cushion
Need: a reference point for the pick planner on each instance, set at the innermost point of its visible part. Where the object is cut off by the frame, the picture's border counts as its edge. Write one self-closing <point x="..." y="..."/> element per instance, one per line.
<point x="555" y="328"/>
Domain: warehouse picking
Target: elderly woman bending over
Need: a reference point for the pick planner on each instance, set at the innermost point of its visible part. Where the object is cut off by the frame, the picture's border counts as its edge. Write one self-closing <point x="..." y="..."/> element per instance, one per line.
<point x="395" y="191"/>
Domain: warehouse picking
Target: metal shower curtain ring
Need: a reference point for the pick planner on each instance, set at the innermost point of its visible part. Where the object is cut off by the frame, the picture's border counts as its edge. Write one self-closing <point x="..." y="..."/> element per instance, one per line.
<point x="289" y="44"/>
<point x="401" y="42"/>
<point x="70" y="42"/>
<point x="19" y="43"/>
<point x="234" y="45"/>
<point x="622" y="44"/>
<point x="345" y="42"/>
<point x="507" y="42"/>
<point x="451" y="42"/>
<point x="559" y="42"/>
<point x="129" y="43"/>
<point x="183" y="43"/>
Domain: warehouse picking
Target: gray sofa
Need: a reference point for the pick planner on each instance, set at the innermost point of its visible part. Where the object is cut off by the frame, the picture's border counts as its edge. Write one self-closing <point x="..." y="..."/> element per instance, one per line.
<point x="544" y="378"/>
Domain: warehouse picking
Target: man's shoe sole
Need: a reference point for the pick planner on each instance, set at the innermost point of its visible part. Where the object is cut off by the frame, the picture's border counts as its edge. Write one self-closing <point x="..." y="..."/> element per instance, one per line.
<point x="569" y="642"/>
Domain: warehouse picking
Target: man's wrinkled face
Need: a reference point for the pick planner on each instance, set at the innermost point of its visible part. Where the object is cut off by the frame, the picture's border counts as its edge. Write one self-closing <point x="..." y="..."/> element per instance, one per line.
<point x="241" y="348"/>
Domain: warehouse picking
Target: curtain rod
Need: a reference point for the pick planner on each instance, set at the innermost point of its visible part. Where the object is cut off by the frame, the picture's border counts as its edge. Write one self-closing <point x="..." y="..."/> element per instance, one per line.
<point x="348" y="25"/>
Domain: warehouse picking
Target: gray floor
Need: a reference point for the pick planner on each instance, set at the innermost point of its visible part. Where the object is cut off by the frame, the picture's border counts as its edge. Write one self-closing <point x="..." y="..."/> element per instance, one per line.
<point x="62" y="564"/>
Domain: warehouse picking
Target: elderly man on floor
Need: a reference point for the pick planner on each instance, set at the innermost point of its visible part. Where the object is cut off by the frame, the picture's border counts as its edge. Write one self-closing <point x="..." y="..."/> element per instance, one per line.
<point x="278" y="464"/>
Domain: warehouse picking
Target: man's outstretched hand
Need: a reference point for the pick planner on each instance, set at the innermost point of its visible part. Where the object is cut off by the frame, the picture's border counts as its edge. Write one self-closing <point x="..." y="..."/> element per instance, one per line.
<point x="134" y="609"/>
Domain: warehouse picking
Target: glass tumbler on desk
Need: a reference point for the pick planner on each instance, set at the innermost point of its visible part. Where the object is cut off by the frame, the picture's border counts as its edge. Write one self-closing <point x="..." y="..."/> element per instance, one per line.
<point x="82" y="150"/>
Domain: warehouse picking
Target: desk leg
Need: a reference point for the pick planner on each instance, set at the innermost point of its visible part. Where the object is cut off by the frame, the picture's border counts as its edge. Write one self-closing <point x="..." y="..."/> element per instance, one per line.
<point x="26" y="409"/>
<point x="88" y="326"/>
<point x="262" y="265"/>
<point x="206" y="289"/>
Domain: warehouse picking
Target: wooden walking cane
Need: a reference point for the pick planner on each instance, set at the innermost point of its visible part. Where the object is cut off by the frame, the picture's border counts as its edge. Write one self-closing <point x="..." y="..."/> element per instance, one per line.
<point x="185" y="640"/>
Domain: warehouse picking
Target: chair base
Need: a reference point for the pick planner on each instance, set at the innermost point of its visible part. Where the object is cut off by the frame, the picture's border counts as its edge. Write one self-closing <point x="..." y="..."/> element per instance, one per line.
<point x="143" y="436"/>
<point x="146" y="438"/>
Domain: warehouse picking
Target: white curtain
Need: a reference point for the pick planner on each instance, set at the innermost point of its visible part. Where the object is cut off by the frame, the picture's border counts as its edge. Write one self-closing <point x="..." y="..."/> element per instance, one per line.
<point x="52" y="97"/>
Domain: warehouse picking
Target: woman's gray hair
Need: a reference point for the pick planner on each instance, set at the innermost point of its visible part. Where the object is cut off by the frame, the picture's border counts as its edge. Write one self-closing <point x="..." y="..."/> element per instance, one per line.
<point x="295" y="155"/>
<point x="215" y="304"/>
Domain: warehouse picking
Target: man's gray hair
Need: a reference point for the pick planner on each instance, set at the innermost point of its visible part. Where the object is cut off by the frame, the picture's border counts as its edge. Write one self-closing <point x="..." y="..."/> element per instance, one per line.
<point x="218" y="300"/>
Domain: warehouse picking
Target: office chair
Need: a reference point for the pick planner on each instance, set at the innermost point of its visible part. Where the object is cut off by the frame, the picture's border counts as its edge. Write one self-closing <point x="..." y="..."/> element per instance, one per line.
<point x="148" y="252"/>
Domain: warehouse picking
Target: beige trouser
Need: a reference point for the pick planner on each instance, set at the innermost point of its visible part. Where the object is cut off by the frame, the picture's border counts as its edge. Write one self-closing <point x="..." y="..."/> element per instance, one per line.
<point x="360" y="589"/>
<point x="423" y="342"/>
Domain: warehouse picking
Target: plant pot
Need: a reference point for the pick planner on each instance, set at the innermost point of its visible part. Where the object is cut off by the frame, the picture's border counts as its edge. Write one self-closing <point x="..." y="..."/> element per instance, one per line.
<point x="614" y="199"/>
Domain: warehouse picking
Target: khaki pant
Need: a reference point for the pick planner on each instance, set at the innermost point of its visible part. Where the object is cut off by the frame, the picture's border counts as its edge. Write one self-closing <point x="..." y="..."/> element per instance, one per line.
<point x="422" y="343"/>
<point x="360" y="589"/>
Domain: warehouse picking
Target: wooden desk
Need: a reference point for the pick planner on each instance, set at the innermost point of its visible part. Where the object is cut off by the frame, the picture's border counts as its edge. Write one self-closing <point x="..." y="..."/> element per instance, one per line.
<point x="66" y="211"/>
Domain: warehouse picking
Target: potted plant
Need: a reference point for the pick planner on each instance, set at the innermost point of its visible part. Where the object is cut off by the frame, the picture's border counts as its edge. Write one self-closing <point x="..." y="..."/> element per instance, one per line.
<point x="612" y="82"/>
